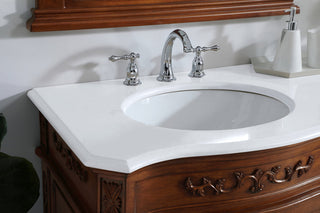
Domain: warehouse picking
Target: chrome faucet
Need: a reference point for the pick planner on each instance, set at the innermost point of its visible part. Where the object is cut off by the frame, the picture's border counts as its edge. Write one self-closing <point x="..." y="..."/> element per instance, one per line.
<point x="197" y="63"/>
<point x="132" y="78"/>
<point x="166" y="73"/>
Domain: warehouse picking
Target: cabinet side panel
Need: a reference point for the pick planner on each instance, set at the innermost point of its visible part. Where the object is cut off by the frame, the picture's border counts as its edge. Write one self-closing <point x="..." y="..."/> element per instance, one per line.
<point x="79" y="180"/>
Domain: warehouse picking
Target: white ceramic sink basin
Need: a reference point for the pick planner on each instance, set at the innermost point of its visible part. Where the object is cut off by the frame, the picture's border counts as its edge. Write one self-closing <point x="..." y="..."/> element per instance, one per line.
<point x="206" y="109"/>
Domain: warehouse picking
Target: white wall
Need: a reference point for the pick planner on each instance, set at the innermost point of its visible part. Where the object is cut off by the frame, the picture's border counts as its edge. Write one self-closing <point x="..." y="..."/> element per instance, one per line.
<point x="30" y="60"/>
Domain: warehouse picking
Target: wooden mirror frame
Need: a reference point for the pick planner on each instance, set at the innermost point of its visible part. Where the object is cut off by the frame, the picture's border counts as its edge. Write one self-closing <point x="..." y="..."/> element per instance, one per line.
<point x="53" y="15"/>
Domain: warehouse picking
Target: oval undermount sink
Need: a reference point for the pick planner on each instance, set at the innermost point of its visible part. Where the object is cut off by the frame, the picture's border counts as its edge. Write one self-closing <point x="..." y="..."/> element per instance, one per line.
<point x="206" y="109"/>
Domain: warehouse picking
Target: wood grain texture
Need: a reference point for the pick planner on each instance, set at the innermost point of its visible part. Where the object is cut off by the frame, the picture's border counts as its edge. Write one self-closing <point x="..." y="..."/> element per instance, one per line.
<point x="53" y="15"/>
<point x="280" y="180"/>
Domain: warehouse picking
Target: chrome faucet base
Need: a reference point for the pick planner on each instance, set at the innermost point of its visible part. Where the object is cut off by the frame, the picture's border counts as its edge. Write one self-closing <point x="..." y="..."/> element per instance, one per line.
<point x="132" y="82"/>
<point x="196" y="74"/>
<point x="166" y="78"/>
<point x="166" y="74"/>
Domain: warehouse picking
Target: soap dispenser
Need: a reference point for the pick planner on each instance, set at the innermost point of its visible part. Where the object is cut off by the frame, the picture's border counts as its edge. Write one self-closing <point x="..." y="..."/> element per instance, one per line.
<point x="288" y="57"/>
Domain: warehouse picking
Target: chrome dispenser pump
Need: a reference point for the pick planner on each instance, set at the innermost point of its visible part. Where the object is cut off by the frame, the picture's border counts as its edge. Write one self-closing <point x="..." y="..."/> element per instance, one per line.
<point x="292" y="24"/>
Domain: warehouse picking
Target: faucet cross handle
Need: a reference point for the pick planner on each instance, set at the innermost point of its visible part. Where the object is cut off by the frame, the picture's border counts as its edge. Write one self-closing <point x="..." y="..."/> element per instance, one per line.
<point x="197" y="63"/>
<point x="132" y="70"/>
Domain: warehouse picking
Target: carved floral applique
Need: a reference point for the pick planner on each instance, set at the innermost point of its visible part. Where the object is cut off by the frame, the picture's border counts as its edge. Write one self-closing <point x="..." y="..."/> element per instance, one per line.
<point x="258" y="177"/>
<point x="111" y="197"/>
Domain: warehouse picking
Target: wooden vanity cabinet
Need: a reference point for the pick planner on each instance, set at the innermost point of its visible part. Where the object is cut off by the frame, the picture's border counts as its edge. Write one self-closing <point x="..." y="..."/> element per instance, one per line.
<point x="285" y="179"/>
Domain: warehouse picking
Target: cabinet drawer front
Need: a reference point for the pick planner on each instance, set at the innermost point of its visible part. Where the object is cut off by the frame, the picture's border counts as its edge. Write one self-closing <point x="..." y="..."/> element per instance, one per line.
<point x="245" y="182"/>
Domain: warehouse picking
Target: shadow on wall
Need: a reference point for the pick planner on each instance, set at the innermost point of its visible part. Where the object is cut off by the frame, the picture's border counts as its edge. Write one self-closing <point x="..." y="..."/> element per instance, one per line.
<point x="308" y="18"/>
<point x="16" y="22"/>
<point x="90" y="71"/>
<point x="94" y="71"/>
<point x="219" y="37"/>
<point x="310" y="15"/>
<point x="16" y="28"/>
<point x="232" y="51"/>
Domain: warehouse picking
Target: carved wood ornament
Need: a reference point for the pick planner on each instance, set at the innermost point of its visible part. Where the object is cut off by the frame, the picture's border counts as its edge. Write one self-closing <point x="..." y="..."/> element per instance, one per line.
<point x="71" y="162"/>
<point x="44" y="134"/>
<point x="257" y="177"/>
<point x="111" y="196"/>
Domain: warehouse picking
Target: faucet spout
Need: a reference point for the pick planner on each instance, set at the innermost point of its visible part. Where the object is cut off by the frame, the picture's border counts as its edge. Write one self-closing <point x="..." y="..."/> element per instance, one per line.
<point x="166" y="73"/>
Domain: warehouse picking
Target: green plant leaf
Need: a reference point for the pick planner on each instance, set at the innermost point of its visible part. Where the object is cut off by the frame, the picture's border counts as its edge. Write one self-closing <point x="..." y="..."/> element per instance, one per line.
<point x="3" y="127"/>
<point x="19" y="184"/>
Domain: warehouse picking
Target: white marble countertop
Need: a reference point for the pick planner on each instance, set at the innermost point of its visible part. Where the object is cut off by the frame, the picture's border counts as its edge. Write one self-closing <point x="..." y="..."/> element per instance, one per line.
<point x="88" y="116"/>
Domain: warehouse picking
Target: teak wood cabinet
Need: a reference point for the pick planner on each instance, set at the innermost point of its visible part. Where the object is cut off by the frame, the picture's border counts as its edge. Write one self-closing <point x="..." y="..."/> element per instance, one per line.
<point x="53" y="15"/>
<point x="279" y="180"/>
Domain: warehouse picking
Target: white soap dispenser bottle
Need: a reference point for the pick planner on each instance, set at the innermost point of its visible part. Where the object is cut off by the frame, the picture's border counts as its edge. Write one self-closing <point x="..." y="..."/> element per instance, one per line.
<point x="288" y="57"/>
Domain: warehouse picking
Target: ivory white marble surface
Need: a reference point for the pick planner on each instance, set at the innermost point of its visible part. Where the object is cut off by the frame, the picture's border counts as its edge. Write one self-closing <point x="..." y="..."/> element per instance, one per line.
<point x="89" y="117"/>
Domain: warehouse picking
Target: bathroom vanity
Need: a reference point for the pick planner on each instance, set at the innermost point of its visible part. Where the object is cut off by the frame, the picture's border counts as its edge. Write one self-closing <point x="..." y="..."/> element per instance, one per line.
<point x="98" y="155"/>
